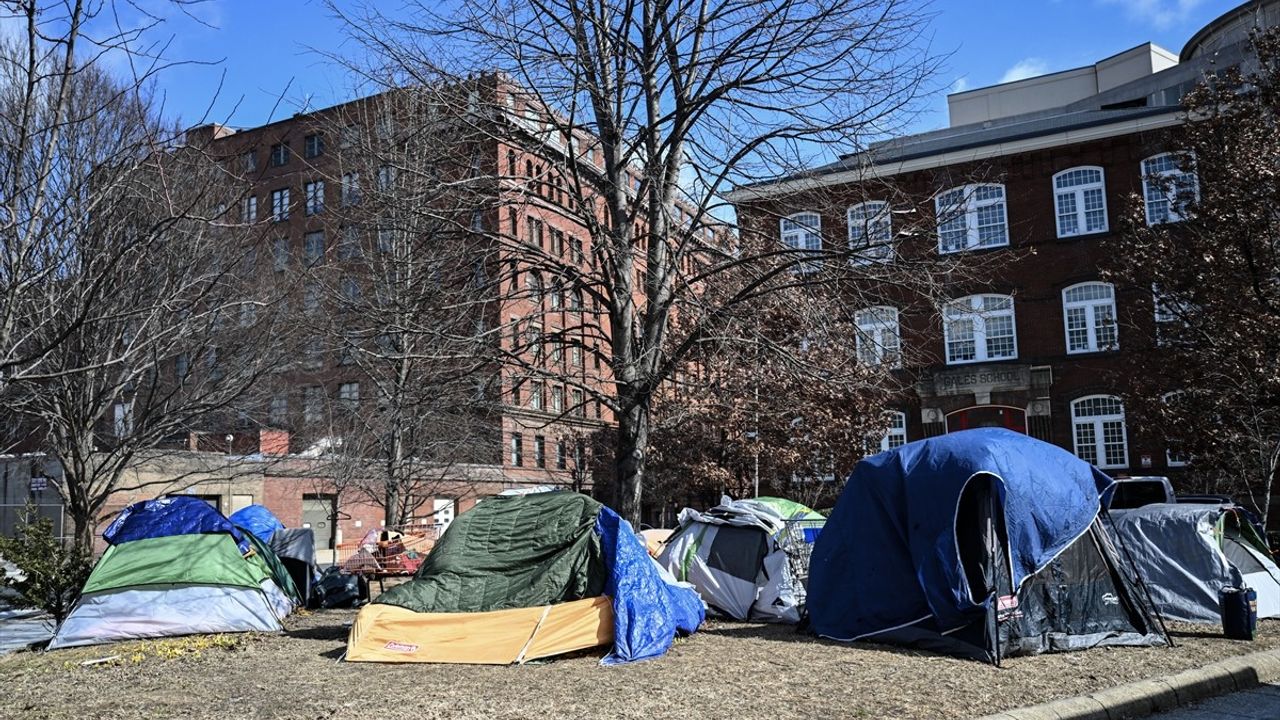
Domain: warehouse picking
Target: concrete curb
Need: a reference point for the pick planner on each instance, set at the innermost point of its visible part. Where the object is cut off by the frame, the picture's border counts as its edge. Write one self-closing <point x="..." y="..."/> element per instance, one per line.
<point x="1144" y="697"/>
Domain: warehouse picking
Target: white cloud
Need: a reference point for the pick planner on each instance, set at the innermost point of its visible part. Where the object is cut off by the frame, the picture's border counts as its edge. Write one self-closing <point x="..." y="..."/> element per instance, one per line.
<point x="1025" y="68"/>
<point x="960" y="85"/>
<point x="1162" y="14"/>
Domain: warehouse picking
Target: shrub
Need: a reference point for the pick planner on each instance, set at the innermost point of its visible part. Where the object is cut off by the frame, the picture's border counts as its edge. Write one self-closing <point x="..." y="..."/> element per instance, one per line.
<point x="51" y="573"/>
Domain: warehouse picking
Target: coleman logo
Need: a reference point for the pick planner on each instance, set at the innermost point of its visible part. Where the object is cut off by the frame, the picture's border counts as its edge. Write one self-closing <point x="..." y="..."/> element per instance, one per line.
<point x="1110" y="599"/>
<point x="394" y="646"/>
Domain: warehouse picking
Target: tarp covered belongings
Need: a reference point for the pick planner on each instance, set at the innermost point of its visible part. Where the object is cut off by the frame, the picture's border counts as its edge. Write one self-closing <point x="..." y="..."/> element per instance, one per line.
<point x="527" y="576"/>
<point x="739" y="556"/>
<point x="982" y="543"/>
<point x="1187" y="553"/>
<point x="164" y="581"/>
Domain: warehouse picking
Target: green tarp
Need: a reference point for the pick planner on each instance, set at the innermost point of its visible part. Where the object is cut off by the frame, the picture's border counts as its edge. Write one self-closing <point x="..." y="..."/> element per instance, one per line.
<point x="200" y="559"/>
<point x="789" y="509"/>
<point x="510" y="552"/>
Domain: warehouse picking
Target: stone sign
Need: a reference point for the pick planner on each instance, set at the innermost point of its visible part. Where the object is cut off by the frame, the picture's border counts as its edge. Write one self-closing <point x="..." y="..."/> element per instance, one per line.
<point x="981" y="379"/>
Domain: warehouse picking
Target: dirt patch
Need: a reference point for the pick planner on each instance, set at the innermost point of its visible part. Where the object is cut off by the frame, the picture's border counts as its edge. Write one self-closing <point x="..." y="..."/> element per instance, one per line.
<point x="727" y="670"/>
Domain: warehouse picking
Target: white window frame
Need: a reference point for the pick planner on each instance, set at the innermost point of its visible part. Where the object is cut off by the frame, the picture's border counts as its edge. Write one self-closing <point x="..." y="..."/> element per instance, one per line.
<point x="350" y="188"/>
<point x="349" y="395"/>
<point x="870" y="232"/>
<point x="1076" y="193"/>
<point x="879" y="338"/>
<point x="1176" y="179"/>
<point x="313" y="196"/>
<point x="959" y="209"/>
<point x="249" y="209"/>
<point x="802" y="231"/>
<point x="280" y="204"/>
<point x="1097" y="423"/>
<point x="974" y="308"/>
<point x="1092" y="309"/>
<point x="896" y="435"/>
<point x="1169" y="458"/>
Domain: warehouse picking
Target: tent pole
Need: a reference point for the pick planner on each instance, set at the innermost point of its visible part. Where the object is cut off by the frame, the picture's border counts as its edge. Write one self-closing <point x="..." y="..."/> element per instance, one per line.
<point x="1137" y="574"/>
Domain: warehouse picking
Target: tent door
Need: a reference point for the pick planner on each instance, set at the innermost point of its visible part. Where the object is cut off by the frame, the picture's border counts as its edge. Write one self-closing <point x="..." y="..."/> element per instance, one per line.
<point x="983" y="544"/>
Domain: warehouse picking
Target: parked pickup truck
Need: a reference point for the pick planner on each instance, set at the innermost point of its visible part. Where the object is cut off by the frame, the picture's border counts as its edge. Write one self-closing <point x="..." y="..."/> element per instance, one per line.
<point x="1133" y="492"/>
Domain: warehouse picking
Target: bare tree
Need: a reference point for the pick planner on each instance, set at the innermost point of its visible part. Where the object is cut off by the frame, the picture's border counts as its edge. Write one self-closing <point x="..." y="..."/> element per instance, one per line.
<point x="636" y="117"/>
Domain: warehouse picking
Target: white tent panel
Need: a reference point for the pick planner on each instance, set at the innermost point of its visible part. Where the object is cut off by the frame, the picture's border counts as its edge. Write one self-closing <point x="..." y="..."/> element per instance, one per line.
<point x="166" y="610"/>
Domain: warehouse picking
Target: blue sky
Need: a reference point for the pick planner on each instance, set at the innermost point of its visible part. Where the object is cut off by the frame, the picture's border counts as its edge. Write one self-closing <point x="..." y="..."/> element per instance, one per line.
<point x="269" y="56"/>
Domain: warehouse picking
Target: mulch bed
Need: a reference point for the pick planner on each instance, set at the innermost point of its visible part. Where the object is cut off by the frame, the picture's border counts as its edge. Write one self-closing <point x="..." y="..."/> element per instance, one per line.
<point x="727" y="670"/>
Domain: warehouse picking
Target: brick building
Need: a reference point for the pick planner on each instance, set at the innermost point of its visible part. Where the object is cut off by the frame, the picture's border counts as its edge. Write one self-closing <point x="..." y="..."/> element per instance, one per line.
<point x="1027" y="184"/>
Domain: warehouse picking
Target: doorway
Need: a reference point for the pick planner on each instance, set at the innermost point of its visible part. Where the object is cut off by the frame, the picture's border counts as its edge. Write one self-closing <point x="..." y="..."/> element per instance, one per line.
<point x="320" y="512"/>
<point x="979" y="416"/>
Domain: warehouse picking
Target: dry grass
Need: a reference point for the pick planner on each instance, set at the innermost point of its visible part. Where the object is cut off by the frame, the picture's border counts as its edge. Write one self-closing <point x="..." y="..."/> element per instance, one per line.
<point x="728" y="670"/>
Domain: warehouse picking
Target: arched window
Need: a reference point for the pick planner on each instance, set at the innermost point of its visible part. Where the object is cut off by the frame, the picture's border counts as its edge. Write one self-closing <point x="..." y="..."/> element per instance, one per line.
<point x="1174" y="455"/>
<point x="575" y="300"/>
<point x="978" y="328"/>
<point x="971" y="217"/>
<point x="878" y="339"/>
<point x="897" y="434"/>
<point x="535" y="287"/>
<point x="1168" y="185"/>
<point x="870" y="233"/>
<point x="557" y="294"/>
<point x="1080" y="199"/>
<point x="1097" y="423"/>
<point x="1089" y="313"/>
<point x="803" y="231"/>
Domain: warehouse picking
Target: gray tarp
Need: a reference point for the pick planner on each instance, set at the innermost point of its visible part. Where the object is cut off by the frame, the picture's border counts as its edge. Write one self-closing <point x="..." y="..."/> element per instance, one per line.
<point x="1185" y="555"/>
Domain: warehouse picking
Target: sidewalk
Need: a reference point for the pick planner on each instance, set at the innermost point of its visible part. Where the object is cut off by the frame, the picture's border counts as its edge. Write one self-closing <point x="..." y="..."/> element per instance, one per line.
<point x="1260" y="703"/>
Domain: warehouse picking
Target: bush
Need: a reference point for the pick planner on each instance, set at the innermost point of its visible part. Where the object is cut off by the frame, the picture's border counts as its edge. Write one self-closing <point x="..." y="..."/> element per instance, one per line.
<point x="51" y="573"/>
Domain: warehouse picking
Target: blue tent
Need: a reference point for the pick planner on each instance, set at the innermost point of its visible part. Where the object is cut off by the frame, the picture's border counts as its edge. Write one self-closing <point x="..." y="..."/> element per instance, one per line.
<point x="170" y="515"/>
<point x="936" y="543"/>
<point x="257" y="520"/>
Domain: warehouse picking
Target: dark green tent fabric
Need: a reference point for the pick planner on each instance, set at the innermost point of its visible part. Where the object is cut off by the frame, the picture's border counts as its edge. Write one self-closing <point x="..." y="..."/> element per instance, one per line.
<point x="200" y="559"/>
<point x="510" y="552"/>
<point x="277" y="569"/>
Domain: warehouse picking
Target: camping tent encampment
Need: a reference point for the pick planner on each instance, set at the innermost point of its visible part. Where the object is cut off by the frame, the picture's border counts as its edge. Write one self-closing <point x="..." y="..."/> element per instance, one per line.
<point x="296" y="548"/>
<point x="747" y="558"/>
<point x="520" y="577"/>
<point x="1187" y="553"/>
<point x="981" y="543"/>
<point x="176" y="566"/>
<point x="258" y="520"/>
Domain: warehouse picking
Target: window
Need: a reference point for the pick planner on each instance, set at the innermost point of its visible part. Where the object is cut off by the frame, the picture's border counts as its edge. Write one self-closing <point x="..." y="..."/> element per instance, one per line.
<point x="561" y="459"/>
<point x="1079" y="198"/>
<point x="347" y="136"/>
<point x="280" y="205"/>
<point x="386" y="239"/>
<point x="557" y="399"/>
<point x="1098" y="427"/>
<point x="279" y="154"/>
<point x="313" y="146"/>
<point x="123" y="420"/>
<point x="1167" y="187"/>
<point x="351" y="189"/>
<point x="249" y="161"/>
<point x="312" y="404"/>
<point x="386" y="177"/>
<point x="313" y="247"/>
<point x="537" y="395"/>
<point x="539" y="451"/>
<point x="181" y="366"/>
<point x="1089" y="312"/>
<point x="313" y="354"/>
<point x="878" y="336"/>
<point x="803" y="231"/>
<point x="557" y="294"/>
<point x="579" y="405"/>
<point x="249" y="210"/>
<point x="278" y="414"/>
<point x="897" y="434"/>
<point x="313" y="194"/>
<point x="978" y="328"/>
<point x="350" y="289"/>
<point x="515" y="391"/>
<point x="349" y="395"/>
<point x="1174" y="455"/>
<point x="248" y="314"/>
<point x="870" y="233"/>
<point x="575" y="300"/>
<point x="311" y="298"/>
<point x="517" y="450"/>
<point x="972" y="217"/>
<point x="534" y="282"/>
<point x="349" y="243"/>
<point x="280" y="252"/>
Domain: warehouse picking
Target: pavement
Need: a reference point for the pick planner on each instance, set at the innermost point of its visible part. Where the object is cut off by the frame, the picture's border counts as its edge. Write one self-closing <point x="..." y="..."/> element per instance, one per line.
<point x="1260" y="703"/>
<point x="19" y="628"/>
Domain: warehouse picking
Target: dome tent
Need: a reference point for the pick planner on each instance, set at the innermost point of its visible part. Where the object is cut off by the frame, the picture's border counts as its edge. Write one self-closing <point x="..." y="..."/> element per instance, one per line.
<point x="258" y="520"/>
<point x="982" y="543"/>
<point x="175" y="566"/>
<point x="1187" y="553"/>
<point x="520" y="577"/>
<point x="746" y="558"/>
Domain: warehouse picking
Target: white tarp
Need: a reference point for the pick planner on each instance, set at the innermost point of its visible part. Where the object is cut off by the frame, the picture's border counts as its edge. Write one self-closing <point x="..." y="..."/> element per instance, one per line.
<point x="165" y="610"/>
<point x="1180" y="554"/>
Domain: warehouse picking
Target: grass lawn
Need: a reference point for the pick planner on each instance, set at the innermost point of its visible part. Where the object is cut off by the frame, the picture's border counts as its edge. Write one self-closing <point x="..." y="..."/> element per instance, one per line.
<point x="727" y="670"/>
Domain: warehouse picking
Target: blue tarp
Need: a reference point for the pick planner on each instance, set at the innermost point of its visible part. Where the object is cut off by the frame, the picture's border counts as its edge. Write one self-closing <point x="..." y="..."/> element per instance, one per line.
<point x="170" y="515"/>
<point x="887" y="557"/>
<point x="257" y="520"/>
<point x="648" y="611"/>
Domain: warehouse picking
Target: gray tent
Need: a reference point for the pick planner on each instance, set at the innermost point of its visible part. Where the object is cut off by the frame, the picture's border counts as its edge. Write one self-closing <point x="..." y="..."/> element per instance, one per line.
<point x="296" y="548"/>
<point x="1186" y="553"/>
<point x="748" y="559"/>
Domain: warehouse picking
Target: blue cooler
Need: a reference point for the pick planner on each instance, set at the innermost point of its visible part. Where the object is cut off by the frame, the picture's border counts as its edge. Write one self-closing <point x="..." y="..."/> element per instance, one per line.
<point x="1239" y="612"/>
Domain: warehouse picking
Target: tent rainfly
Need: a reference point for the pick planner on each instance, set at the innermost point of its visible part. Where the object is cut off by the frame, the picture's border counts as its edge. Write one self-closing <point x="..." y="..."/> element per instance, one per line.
<point x="176" y="566"/>
<point x="746" y="557"/>
<point x="521" y="577"/>
<point x="1187" y="553"/>
<point x="981" y="543"/>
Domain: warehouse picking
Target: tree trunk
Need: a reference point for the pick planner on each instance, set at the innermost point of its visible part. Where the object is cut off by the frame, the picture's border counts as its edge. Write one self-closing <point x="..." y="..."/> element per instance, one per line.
<point x="629" y="462"/>
<point x="83" y="532"/>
